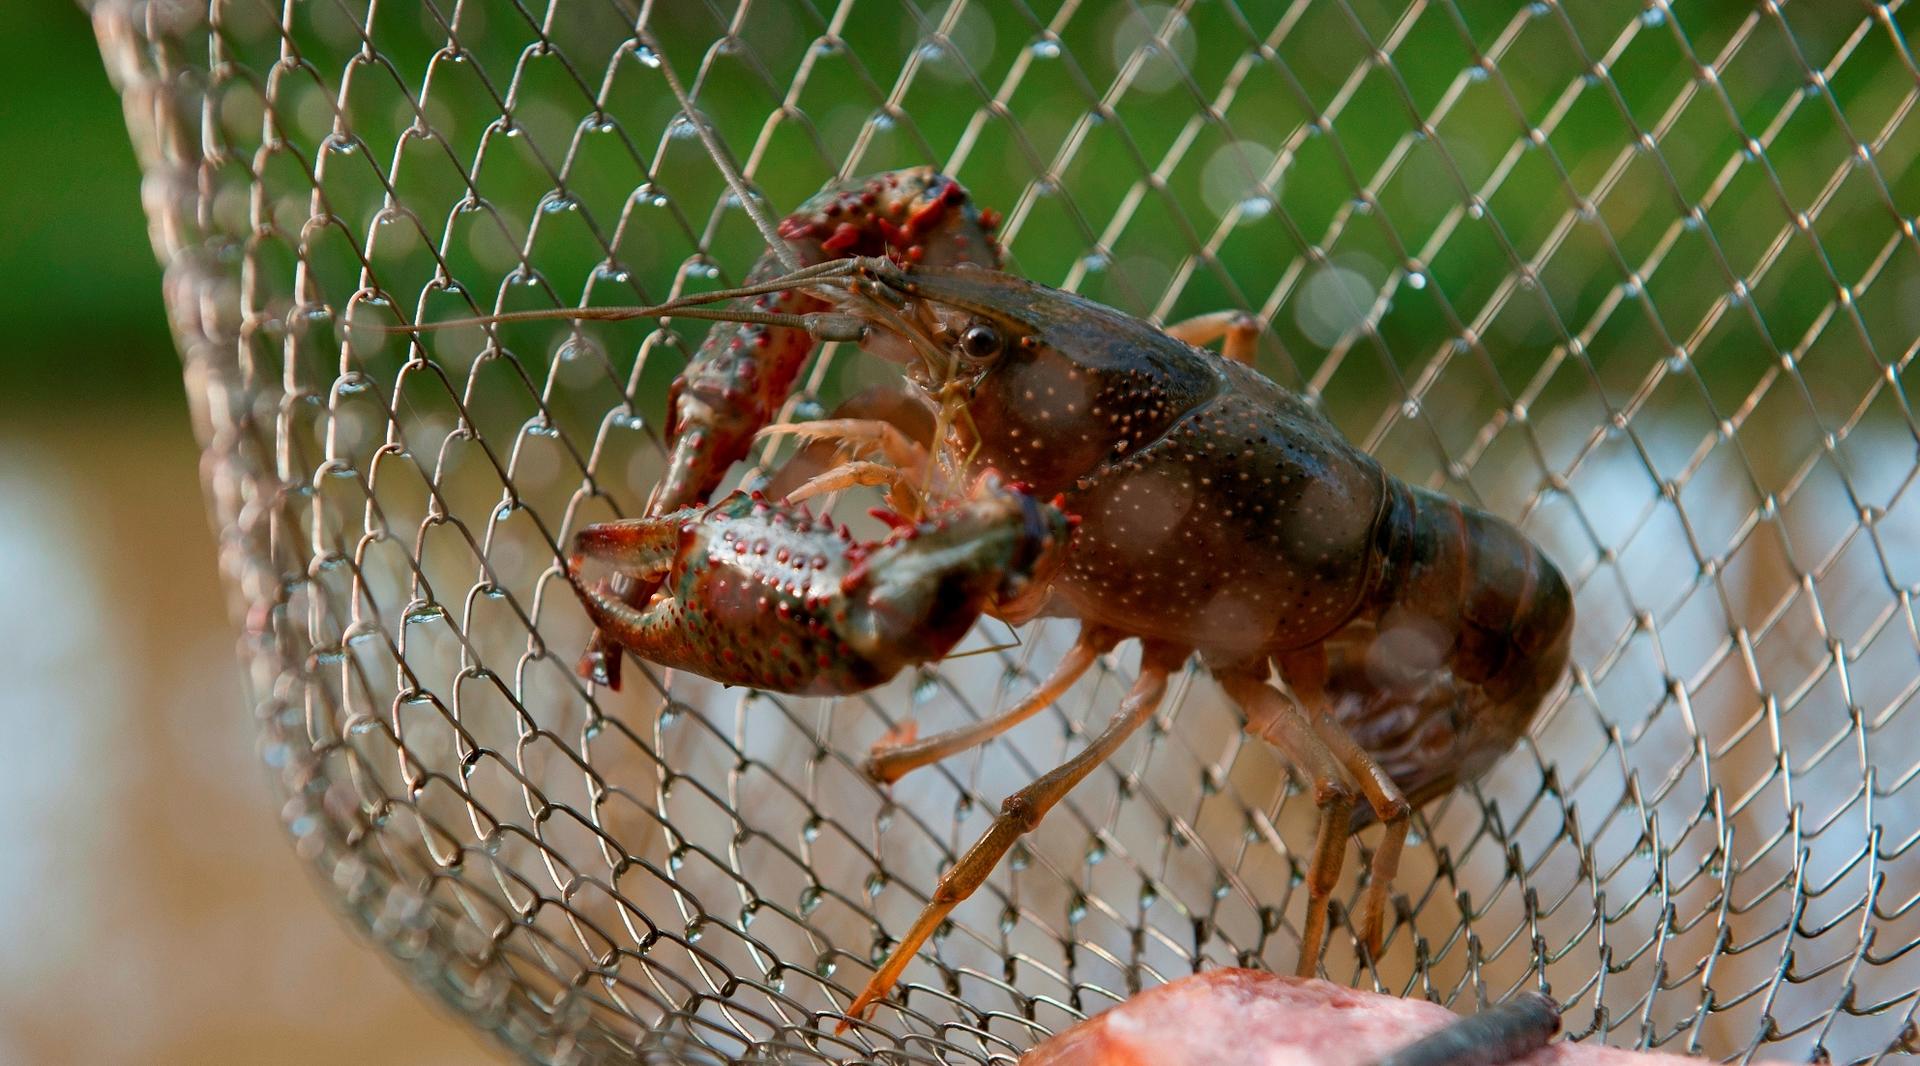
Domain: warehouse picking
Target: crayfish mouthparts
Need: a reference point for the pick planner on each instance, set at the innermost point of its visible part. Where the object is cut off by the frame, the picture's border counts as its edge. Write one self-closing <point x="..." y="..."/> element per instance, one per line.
<point x="763" y="594"/>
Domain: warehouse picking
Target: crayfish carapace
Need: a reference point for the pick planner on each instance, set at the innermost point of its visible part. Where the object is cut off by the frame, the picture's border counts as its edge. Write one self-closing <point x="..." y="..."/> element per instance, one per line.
<point x="1417" y="636"/>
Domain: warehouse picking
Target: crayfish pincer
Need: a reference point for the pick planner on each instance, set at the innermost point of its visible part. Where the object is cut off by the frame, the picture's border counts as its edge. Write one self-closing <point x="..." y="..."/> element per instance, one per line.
<point x="762" y="593"/>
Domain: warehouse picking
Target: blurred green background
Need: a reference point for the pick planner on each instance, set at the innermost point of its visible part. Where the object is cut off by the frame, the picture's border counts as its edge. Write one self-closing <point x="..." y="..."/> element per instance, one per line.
<point x="86" y="326"/>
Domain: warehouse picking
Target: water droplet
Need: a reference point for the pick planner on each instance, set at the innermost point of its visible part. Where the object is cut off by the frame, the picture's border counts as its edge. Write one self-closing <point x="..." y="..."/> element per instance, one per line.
<point x="876" y="883"/>
<point x="696" y="929"/>
<point x="681" y="128"/>
<point x="1095" y="262"/>
<point x="594" y="728"/>
<point x="1677" y="363"/>
<point x="647" y="56"/>
<point x="1096" y="852"/>
<point x="1410" y="409"/>
<point x="1221" y="888"/>
<point x="932" y="52"/>
<point x="824" y="965"/>
<point x="425" y="612"/>
<point x="1630" y="288"/>
<point x="1009" y="917"/>
<point x="1476" y="73"/>
<point x="810" y="898"/>
<point x="1256" y="207"/>
<point x="1416" y="281"/>
<point x="925" y="688"/>
<point x="559" y="205"/>
<point x="1045" y="48"/>
<point x="882" y="121"/>
<point x="1476" y="210"/>
<point x="811" y="831"/>
<point x="1148" y="896"/>
<point x="1077" y="909"/>
<point x="1539" y="9"/>
<point x="1653" y="16"/>
<point x="703" y="270"/>
<point x="362" y="726"/>
<point x="677" y="858"/>
<point x="1021" y="858"/>
<point x="748" y="913"/>
<point x="777" y="980"/>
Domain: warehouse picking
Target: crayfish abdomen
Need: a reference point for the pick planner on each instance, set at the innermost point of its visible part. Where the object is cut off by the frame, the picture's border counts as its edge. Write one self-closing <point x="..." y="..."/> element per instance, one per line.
<point x="1465" y="631"/>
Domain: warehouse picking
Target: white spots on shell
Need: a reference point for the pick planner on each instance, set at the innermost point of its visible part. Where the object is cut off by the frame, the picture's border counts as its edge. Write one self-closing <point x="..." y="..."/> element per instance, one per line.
<point x="1144" y="508"/>
<point x="1050" y="392"/>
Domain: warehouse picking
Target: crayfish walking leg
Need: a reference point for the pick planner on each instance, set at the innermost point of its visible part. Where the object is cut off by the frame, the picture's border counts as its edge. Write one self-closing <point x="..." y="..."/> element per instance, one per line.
<point x="1334" y="763"/>
<point x="895" y="755"/>
<point x="1238" y="330"/>
<point x="1306" y="673"/>
<point x="1019" y="814"/>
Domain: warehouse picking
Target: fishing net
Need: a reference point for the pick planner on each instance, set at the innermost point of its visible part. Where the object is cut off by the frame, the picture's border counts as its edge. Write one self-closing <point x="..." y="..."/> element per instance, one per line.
<point x="1639" y="277"/>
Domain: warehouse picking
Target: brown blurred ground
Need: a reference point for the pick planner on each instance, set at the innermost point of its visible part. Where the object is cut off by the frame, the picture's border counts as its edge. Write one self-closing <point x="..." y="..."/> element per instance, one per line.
<point x="151" y="908"/>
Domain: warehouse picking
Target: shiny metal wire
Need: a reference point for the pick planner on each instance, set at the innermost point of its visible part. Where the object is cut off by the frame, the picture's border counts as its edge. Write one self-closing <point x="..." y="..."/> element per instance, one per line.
<point x="1642" y="276"/>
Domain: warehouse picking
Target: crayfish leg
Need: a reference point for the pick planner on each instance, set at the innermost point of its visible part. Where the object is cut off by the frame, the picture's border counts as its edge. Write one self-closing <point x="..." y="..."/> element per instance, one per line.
<point x="1305" y="672"/>
<point x="860" y="472"/>
<point x="890" y="759"/>
<point x="1240" y="330"/>
<point x="1274" y="718"/>
<point x="859" y="436"/>
<point x="1019" y="814"/>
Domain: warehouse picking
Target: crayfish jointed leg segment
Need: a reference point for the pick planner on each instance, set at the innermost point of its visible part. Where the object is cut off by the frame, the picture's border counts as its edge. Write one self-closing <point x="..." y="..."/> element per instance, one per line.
<point x="1021" y="812"/>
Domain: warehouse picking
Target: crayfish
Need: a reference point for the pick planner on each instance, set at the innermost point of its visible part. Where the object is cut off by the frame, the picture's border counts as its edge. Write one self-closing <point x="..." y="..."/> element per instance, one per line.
<point x="1077" y="461"/>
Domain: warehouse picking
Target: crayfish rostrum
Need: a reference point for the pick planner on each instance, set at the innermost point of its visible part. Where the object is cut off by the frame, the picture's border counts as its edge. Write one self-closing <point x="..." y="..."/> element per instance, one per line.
<point x="1079" y="461"/>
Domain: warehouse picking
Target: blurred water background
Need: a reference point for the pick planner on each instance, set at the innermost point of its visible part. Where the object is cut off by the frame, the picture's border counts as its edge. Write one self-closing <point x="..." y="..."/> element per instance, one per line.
<point x="150" y="909"/>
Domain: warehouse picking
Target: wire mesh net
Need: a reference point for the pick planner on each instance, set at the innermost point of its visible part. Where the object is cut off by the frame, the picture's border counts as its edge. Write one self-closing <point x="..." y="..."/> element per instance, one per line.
<point x="1640" y="277"/>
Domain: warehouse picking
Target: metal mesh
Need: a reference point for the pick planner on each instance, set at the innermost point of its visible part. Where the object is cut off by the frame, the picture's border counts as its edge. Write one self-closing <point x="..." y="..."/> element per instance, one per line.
<point x="1640" y="277"/>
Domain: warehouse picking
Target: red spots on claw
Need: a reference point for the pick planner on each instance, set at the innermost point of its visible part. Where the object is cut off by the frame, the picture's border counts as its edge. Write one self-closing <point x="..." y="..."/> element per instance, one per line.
<point x="929" y="216"/>
<point x="845" y="236"/>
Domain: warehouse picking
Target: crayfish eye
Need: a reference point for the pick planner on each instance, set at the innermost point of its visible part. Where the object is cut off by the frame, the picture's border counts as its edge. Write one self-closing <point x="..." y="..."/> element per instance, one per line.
<point x="980" y="342"/>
